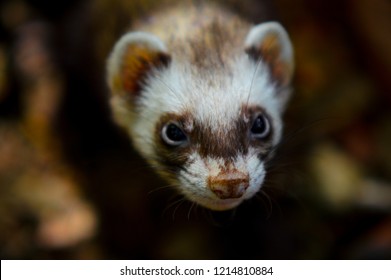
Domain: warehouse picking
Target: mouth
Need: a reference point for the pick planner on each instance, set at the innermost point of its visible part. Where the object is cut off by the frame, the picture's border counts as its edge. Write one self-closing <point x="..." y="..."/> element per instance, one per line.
<point x="218" y="204"/>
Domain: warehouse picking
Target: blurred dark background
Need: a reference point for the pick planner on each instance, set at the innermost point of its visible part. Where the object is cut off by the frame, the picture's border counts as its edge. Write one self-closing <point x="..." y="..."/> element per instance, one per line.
<point x="71" y="187"/>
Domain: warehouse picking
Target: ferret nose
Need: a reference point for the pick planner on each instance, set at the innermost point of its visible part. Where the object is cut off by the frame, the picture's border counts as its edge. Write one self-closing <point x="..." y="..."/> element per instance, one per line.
<point x="230" y="184"/>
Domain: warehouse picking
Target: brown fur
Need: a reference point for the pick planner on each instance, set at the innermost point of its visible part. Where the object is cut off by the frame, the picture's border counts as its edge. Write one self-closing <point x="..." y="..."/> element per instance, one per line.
<point x="216" y="144"/>
<point x="138" y="61"/>
<point x="203" y="35"/>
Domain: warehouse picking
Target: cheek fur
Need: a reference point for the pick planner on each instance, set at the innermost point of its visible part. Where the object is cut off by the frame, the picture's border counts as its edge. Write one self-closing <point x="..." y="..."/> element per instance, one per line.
<point x="257" y="173"/>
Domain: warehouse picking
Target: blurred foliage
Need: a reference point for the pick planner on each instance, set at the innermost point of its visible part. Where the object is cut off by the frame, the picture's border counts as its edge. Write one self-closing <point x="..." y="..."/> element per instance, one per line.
<point x="72" y="187"/>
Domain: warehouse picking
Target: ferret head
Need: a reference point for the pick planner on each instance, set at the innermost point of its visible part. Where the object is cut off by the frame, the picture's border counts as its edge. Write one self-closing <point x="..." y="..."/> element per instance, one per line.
<point x="209" y="125"/>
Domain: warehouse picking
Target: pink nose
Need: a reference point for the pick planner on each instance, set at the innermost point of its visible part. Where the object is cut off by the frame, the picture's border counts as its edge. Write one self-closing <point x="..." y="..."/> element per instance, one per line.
<point x="230" y="184"/>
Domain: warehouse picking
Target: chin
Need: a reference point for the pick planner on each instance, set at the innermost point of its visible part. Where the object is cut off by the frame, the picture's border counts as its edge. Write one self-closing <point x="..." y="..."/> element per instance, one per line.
<point x="217" y="204"/>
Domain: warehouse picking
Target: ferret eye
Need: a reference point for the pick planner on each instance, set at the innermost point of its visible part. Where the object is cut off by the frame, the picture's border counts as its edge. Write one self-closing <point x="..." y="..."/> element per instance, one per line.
<point x="261" y="127"/>
<point x="173" y="135"/>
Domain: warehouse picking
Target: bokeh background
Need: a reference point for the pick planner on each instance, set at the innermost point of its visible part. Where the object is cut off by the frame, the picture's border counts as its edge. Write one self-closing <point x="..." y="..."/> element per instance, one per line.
<point x="71" y="187"/>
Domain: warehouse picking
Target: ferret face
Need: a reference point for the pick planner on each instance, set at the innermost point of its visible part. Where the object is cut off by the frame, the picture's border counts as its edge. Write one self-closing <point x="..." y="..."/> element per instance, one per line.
<point x="209" y="134"/>
<point x="215" y="164"/>
<point x="208" y="129"/>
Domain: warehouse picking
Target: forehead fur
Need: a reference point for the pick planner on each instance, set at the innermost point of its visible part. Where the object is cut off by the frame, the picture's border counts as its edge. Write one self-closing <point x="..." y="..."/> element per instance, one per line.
<point x="214" y="97"/>
<point x="210" y="75"/>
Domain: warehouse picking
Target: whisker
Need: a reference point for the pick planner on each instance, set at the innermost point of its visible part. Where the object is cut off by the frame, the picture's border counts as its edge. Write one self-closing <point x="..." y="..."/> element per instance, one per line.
<point x="170" y="186"/>
<point x="167" y="86"/>
<point x="276" y="187"/>
<point x="172" y="204"/>
<point x="177" y="207"/>
<point x="261" y="194"/>
<point x="189" y="212"/>
<point x="252" y="80"/>
<point x="290" y="136"/>
<point x="268" y="201"/>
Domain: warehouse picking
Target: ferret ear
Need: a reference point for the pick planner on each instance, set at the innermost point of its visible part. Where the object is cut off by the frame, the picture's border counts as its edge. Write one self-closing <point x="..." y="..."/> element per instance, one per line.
<point x="132" y="58"/>
<point x="269" y="42"/>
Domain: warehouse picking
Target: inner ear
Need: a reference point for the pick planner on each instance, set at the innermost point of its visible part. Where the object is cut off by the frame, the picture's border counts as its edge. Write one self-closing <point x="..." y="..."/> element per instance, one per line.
<point x="269" y="42"/>
<point x="133" y="57"/>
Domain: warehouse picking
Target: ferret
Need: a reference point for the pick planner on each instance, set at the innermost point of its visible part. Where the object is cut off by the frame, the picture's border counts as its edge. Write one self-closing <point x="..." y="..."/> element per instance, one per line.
<point x="201" y="93"/>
